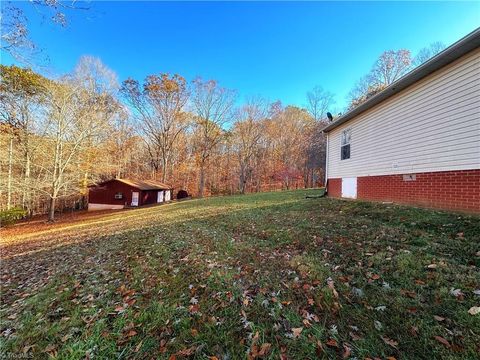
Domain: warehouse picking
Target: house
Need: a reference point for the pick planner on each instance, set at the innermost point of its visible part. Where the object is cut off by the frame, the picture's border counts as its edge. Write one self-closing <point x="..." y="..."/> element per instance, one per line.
<point x="121" y="193"/>
<point x="417" y="141"/>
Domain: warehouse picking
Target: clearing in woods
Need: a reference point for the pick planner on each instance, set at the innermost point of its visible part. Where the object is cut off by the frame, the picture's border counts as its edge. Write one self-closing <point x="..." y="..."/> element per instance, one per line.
<point x="270" y="275"/>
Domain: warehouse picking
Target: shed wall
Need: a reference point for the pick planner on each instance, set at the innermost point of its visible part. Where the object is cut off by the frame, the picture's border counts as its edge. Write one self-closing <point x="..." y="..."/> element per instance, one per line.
<point x="105" y="194"/>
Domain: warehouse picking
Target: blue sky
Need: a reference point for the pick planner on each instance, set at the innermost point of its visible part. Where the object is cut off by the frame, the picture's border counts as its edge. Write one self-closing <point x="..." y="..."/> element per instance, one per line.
<point x="278" y="50"/>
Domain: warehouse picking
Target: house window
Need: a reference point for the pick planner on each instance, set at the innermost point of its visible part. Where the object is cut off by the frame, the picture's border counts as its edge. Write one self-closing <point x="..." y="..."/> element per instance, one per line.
<point x="345" y="150"/>
<point x="119" y="195"/>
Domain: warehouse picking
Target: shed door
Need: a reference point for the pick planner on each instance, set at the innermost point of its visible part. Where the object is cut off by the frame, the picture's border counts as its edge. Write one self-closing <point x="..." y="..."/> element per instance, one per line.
<point x="167" y="195"/>
<point x="349" y="188"/>
<point x="160" y="196"/>
<point x="135" y="198"/>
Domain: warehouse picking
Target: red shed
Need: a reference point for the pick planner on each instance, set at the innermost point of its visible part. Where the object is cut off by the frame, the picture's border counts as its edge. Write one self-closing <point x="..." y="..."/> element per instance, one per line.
<point x="121" y="193"/>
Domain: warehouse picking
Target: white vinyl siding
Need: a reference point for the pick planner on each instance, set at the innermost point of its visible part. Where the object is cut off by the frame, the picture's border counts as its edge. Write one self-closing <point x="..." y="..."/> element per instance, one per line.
<point x="434" y="125"/>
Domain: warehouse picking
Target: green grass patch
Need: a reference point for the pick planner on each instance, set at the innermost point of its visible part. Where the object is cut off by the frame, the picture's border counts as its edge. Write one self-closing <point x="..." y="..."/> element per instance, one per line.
<point x="304" y="278"/>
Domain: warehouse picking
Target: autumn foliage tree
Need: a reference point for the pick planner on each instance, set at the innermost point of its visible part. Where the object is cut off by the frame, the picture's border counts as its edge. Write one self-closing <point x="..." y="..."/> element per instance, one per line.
<point x="64" y="133"/>
<point x="212" y="106"/>
<point x="22" y="93"/>
<point x="247" y="133"/>
<point x="159" y="107"/>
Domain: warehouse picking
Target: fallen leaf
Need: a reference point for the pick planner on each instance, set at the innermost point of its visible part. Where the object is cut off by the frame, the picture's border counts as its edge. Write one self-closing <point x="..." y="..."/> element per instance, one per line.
<point x="187" y="352"/>
<point x="474" y="310"/>
<point x="354" y="336"/>
<point x="255" y="337"/>
<point x="264" y="349"/>
<point x="414" y="331"/>
<point x="139" y="346"/>
<point x="50" y="349"/>
<point x="296" y="332"/>
<point x="410" y="294"/>
<point x="442" y="340"/>
<point x="331" y="285"/>
<point x="131" y="333"/>
<point x="66" y="338"/>
<point x="27" y="348"/>
<point x="347" y="351"/>
<point x="319" y="349"/>
<point x="457" y="293"/>
<point x="332" y="342"/>
<point x="390" y="342"/>
<point x="438" y="318"/>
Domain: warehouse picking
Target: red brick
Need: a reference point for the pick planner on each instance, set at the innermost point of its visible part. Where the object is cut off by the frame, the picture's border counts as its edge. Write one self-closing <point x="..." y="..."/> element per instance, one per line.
<point x="449" y="190"/>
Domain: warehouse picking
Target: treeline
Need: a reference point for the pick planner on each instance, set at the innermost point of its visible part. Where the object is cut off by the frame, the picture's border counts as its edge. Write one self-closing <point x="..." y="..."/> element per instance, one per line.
<point x="58" y="136"/>
<point x="61" y="135"/>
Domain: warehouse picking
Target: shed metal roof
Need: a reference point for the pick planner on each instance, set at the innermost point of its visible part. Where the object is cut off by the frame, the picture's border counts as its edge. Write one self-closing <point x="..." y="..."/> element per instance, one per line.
<point x="450" y="54"/>
<point x="143" y="184"/>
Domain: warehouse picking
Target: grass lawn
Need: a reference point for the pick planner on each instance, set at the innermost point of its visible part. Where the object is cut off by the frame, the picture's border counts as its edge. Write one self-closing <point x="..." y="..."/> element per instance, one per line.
<point x="270" y="275"/>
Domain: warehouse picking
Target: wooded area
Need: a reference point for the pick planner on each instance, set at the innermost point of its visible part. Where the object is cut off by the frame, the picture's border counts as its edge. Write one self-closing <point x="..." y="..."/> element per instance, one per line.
<point x="64" y="134"/>
<point x="61" y="134"/>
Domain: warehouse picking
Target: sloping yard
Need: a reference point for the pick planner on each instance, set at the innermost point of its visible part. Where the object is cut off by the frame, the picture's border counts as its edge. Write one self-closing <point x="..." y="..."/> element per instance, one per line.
<point x="271" y="275"/>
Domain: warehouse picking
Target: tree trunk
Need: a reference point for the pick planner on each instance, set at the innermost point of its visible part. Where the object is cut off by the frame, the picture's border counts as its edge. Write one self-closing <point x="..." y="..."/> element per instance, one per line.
<point x="201" y="184"/>
<point x="51" y="210"/>
<point x="243" y="180"/>
<point x="9" y="183"/>
<point x="27" y="198"/>
<point x="164" y="169"/>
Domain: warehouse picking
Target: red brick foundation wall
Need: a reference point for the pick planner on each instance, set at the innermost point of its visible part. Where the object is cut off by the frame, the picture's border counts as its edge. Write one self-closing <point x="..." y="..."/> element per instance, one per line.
<point x="450" y="190"/>
<point x="334" y="187"/>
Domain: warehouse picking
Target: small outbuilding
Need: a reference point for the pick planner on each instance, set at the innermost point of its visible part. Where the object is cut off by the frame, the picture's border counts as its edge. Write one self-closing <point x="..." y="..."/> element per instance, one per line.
<point x="123" y="193"/>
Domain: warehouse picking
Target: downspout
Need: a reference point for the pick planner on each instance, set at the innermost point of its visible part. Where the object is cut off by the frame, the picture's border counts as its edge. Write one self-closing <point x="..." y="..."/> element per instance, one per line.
<point x="326" y="166"/>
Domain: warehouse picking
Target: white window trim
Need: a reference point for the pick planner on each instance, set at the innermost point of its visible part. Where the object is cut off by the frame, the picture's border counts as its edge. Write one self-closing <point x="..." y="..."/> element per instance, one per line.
<point x="347" y="131"/>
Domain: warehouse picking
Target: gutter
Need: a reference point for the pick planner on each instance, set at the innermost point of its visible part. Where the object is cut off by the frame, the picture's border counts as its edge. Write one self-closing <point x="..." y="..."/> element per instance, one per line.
<point x="326" y="164"/>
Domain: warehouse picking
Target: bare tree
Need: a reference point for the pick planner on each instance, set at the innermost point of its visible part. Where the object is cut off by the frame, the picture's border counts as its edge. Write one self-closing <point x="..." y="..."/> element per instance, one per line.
<point x="212" y="106"/>
<point x="318" y="102"/>
<point x="14" y="30"/>
<point x="21" y="98"/>
<point x="159" y="107"/>
<point x="247" y="132"/>
<point x="389" y="67"/>
<point x="427" y="53"/>
<point x="95" y="76"/>
<point x="74" y="117"/>
<point x="96" y="79"/>
<point x="288" y="131"/>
